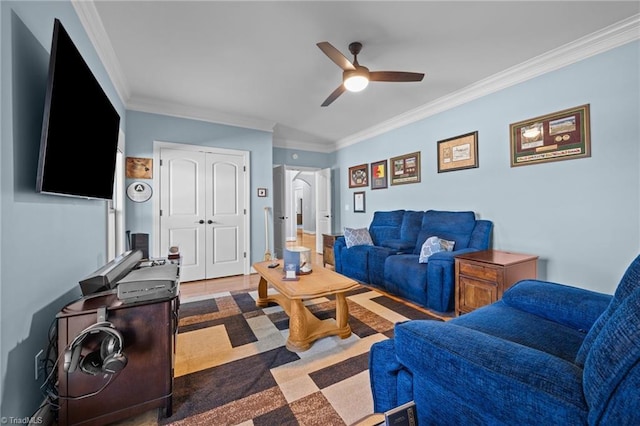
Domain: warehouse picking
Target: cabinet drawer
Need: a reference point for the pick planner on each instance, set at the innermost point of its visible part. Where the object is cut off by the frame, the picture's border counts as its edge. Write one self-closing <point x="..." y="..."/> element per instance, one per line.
<point x="478" y="271"/>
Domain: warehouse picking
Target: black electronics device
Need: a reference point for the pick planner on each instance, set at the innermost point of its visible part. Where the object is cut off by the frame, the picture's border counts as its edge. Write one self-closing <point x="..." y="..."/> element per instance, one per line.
<point x="140" y="242"/>
<point x="106" y="277"/>
<point x="80" y="127"/>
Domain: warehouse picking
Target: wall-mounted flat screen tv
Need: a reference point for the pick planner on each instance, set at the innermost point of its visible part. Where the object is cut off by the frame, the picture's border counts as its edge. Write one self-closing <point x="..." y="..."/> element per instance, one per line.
<point x="80" y="127"/>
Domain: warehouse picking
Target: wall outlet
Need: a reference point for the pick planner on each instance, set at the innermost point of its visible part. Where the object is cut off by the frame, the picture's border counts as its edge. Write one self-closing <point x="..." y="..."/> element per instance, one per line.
<point x="37" y="362"/>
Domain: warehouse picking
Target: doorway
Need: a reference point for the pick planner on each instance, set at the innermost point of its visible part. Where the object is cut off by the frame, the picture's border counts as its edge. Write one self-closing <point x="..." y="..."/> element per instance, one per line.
<point x="203" y="208"/>
<point x="313" y="187"/>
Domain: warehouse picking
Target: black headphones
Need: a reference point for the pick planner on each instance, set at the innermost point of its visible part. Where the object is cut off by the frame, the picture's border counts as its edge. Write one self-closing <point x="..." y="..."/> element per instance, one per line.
<point x="109" y="359"/>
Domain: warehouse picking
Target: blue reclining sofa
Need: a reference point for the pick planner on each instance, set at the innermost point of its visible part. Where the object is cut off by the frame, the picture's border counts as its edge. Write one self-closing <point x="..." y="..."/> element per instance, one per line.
<point x="546" y="354"/>
<point x="391" y="259"/>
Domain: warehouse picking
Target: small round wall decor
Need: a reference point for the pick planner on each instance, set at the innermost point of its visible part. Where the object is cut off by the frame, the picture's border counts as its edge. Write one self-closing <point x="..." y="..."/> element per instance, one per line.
<point x="139" y="192"/>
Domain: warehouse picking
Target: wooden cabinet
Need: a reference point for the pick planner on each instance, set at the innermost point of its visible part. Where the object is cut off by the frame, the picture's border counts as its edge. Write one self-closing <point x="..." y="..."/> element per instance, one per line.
<point x="482" y="277"/>
<point x="148" y="332"/>
<point x="327" y="248"/>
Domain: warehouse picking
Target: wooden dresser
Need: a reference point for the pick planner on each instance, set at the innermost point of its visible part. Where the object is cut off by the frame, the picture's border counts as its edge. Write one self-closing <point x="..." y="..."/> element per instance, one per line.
<point x="327" y="248"/>
<point x="483" y="276"/>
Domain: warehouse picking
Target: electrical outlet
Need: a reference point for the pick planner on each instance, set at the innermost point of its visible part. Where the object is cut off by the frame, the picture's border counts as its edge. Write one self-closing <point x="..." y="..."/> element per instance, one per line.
<point x="37" y="362"/>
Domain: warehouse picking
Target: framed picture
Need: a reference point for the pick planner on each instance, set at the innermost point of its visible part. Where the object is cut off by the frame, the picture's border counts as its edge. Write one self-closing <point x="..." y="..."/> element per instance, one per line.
<point x="379" y="174"/>
<point x="359" y="176"/>
<point x="358" y="202"/>
<point x="562" y="135"/>
<point x="457" y="153"/>
<point x="262" y="192"/>
<point x="405" y="169"/>
<point x="139" y="168"/>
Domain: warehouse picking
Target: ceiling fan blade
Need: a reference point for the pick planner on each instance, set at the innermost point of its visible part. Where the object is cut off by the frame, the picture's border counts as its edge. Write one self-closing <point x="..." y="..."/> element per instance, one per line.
<point x="333" y="96"/>
<point x="395" y="76"/>
<point x="335" y="55"/>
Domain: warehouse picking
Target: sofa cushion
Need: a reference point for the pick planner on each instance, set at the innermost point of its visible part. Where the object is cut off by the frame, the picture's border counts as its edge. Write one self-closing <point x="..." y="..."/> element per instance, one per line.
<point x="611" y="372"/>
<point x="506" y="322"/>
<point x="434" y="245"/>
<point x="385" y="225"/>
<point x="357" y="237"/>
<point x="452" y="226"/>
<point x="628" y="284"/>
<point x="399" y="246"/>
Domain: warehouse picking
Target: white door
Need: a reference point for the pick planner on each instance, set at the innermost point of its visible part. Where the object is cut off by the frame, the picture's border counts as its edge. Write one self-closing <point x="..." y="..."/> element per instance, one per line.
<point x="279" y="209"/>
<point x="323" y="206"/>
<point x="225" y="214"/>
<point x="202" y="211"/>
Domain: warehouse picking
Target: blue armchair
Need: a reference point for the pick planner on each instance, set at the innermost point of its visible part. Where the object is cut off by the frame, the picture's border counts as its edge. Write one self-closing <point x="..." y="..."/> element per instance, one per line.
<point x="545" y="354"/>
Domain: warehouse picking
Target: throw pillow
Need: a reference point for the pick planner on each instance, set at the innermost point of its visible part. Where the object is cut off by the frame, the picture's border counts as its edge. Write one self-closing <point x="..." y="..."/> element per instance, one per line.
<point x="434" y="245"/>
<point x="357" y="237"/>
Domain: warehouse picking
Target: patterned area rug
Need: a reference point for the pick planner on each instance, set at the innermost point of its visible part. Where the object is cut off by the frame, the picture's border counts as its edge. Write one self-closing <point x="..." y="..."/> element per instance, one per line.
<point x="232" y="367"/>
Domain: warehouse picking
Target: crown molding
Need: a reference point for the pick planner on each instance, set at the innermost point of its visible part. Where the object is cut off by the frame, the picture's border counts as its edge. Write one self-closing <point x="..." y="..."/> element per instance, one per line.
<point x="155" y="106"/>
<point x="90" y="20"/>
<point x="608" y="38"/>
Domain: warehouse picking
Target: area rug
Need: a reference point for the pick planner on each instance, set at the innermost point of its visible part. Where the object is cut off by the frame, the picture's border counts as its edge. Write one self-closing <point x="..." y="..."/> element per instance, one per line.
<point x="232" y="367"/>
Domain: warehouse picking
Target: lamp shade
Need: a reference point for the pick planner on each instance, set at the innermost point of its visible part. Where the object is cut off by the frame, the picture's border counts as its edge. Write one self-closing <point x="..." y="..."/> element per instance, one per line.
<point x="356" y="80"/>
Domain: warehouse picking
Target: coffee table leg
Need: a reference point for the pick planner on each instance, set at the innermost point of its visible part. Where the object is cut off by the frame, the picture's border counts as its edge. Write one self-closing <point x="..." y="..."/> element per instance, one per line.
<point x="262" y="301"/>
<point x="298" y="327"/>
<point x="342" y="316"/>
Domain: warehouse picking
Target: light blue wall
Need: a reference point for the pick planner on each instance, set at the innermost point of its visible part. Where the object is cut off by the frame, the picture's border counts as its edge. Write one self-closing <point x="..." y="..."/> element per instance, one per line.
<point x="144" y="128"/>
<point x="48" y="243"/>
<point x="582" y="216"/>
<point x="284" y="156"/>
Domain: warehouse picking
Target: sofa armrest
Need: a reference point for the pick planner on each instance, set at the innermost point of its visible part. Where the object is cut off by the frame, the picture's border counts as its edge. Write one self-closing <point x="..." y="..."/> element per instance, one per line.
<point x="338" y="245"/>
<point x="488" y="371"/>
<point x="441" y="279"/>
<point x="571" y="306"/>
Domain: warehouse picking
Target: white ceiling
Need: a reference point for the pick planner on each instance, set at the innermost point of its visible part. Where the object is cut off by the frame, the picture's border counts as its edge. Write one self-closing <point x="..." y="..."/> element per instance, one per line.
<point x="256" y="64"/>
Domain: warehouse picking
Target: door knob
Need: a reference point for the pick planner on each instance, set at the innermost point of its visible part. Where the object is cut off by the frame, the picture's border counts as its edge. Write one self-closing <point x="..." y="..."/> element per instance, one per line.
<point x="210" y="222"/>
<point x="281" y="217"/>
<point x="201" y="221"/>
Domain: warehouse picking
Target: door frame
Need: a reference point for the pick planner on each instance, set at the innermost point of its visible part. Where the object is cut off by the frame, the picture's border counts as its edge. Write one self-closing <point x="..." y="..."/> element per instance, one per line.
<point x="157" y="147"/>
<point x="288" y="194"/>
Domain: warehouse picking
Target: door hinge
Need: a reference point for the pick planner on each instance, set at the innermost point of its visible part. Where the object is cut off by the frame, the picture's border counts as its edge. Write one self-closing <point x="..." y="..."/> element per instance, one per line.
<point x="244" y="168"/>
<point x="245" y="211"/>
<point x="160" y="212"/>
<point x="245" y="254"/>
<point x="161" y="162"/>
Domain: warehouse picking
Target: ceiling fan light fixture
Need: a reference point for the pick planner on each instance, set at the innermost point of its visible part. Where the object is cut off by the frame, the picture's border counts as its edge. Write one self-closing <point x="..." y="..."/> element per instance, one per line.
<point x="356" y="80"/>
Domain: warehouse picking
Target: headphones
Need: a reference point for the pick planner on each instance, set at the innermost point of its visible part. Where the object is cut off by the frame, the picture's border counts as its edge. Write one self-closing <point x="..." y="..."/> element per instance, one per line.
<point x="109" y="359"/>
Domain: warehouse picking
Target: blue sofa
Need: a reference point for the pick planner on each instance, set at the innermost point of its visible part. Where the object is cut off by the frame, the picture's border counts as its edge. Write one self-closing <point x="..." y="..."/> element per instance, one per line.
<point x="391" y="263"/>
<point x="546" y="354"/>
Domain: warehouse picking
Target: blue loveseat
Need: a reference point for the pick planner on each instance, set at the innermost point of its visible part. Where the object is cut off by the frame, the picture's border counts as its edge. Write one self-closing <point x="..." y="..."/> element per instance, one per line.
<point x="546" y="354"/>
<point x="391" y="262"/>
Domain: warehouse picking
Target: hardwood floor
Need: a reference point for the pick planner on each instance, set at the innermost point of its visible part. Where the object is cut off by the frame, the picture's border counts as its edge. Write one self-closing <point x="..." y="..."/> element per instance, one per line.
<point x="245" y="282"/>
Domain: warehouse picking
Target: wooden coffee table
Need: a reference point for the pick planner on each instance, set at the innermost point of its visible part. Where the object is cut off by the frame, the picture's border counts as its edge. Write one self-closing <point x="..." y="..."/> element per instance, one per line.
<point x="304" y="327"/>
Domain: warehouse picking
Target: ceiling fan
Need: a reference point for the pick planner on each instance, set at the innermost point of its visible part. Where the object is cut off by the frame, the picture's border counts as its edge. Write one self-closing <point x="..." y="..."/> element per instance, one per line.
<point x="355" y="77"/>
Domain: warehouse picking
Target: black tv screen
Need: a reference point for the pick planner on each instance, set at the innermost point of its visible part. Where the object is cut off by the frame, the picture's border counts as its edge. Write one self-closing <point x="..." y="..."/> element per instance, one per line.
<point x="80" y="127"/>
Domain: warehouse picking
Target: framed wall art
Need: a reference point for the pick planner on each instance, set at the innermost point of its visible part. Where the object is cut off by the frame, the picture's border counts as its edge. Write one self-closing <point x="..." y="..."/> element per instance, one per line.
<point x="379" y="174"/>
<point x="139" y="168"/>
<point x="359" y="176"/>
<point x="562" y="135"/>
<point x="405" y="169"/>
<point x="458" y="153"/>
<point x="358" y="202"/>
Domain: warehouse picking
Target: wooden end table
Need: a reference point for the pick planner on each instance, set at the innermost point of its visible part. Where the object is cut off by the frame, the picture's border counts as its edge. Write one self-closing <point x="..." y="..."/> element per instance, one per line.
<point x="483" y="276"/>
<point x="304" y="327"/>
